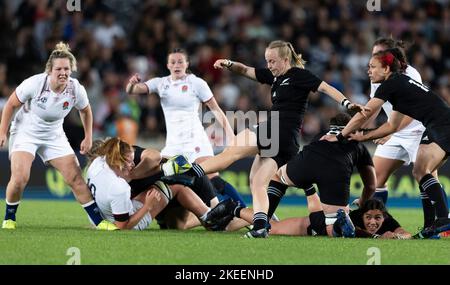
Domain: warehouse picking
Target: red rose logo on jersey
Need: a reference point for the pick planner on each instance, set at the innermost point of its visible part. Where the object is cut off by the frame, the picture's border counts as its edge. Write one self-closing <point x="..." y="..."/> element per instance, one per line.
<point x="184" y="88"/>
<point x="65" y="105"/>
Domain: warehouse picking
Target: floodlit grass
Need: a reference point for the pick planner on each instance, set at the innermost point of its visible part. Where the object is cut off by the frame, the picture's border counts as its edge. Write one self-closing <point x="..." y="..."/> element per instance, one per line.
<point x="47" y="229"/>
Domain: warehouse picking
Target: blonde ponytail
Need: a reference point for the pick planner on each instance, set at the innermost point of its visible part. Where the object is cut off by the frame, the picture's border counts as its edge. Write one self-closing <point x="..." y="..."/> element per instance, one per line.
<point x="62" y="50"/>
<point x="286" y="50"/>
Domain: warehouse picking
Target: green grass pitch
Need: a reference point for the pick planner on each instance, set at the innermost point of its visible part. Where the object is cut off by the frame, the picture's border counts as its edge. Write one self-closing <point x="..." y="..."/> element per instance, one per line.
<point x="47" y="229"/>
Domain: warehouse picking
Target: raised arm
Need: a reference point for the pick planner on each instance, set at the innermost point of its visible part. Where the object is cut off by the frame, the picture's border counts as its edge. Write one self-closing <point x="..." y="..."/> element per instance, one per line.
<point x="340" y="98"/>
<point x="7" y="113"/>
<point x="236" y="67"/>
<point x="134" y="85"/>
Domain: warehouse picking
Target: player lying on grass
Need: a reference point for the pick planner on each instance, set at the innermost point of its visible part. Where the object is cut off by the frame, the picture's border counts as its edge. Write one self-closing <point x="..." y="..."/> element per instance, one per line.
<point x="370" y="221"/>
<point x="107" y="176"/>
<point x="175" y="216"/>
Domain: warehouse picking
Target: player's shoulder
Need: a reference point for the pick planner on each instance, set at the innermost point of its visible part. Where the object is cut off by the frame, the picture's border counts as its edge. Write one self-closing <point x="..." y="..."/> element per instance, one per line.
<point x="413" y="73"/>
<point x="194" y="79"/>
<point x="75" y="83"/>
<point x="36" y="79"/>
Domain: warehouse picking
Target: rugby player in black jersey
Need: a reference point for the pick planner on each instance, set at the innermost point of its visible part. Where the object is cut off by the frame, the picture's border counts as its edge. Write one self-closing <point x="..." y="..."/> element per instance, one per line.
<point x="411" y="98"/>
<point x="330" y="166"/>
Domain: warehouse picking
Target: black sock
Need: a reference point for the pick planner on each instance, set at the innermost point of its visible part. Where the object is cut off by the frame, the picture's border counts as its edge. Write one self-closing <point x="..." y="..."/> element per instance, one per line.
<point x="429" y="213"/>
<point x="445" y="196"/>
<point x="196" y="171"/>
<point x="275" y="192"/>
<point x="237" y="211"/>
<point x="93" y="211"/>
<point x="434" y="190"/>
<point x="11" y="209"/>
<point x="381" y="194"/>
<point x="309" y="191"/>
<point x="204" y="189"/>
<point x="259" y="221"/>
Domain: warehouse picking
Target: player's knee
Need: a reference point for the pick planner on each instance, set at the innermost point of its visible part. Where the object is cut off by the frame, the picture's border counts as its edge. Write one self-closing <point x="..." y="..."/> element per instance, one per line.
<point x="19" y="181"/>
<point x="418" y="171"/>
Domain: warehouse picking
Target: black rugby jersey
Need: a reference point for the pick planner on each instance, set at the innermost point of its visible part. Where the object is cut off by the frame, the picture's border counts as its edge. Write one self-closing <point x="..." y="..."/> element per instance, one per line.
<point x="346" y="155"/>
<point x="141" y="185"/>
<point x="414" y="99"/>
<point x="289" y="92"/>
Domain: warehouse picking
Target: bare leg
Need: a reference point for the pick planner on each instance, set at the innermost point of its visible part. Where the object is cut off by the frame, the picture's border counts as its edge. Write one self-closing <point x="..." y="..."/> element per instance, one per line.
<point x="429" y="158"/>
<point x="262" y="171"/>
<point x="244" y="145"/>
<point x="69" y="167"/>
<point x="20" y="174"/>
<point x="384" y="167"/>
<point x="189" y="200"/>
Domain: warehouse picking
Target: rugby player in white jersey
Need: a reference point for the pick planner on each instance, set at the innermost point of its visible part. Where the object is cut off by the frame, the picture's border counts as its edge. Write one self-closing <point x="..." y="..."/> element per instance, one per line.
<point x="181" y="95"/>
<point x="108" y="174"/>
<point x="43" y="101"/>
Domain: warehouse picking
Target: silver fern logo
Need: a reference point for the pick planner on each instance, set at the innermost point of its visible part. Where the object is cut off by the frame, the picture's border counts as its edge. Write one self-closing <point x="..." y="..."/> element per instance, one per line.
<point x="373" y="5"/>
<point x="73" y="5"/>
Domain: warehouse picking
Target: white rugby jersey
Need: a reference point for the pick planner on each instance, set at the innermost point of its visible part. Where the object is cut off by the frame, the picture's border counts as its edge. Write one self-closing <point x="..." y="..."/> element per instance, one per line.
<point x="111" y="192"/>
<point x="180" y="100"/>
<point x="42" y="114"/>
<point x="415" y="127"/>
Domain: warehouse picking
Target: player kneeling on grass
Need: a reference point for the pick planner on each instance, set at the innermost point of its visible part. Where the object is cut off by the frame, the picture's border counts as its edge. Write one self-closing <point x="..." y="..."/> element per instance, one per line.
<point x="108" y="175"/>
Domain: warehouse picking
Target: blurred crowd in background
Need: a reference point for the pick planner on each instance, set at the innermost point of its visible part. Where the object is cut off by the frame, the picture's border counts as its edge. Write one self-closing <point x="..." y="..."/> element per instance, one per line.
<point x="112" y="39"/>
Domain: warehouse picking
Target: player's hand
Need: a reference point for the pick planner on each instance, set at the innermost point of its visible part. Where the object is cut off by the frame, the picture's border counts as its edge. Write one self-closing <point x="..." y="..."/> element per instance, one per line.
<point x="359" y="108"/>
<point x="383" y="140"/>
<point x="85" y="146"/>
<point x="152" y="198"/>
<point x="355" y="204"/>
<point x="3" y="138"/>
<point x="221" y="63"/>
<point x="389" y="235"/>
<point x="356" y="136"/>
<point x="135" y="79"/>
<point x="330" y="138"/>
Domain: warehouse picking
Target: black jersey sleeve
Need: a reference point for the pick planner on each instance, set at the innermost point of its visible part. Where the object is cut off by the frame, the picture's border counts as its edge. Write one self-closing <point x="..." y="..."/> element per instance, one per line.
<point x="385" y="90"/>
<point x="305" y="79"/>
<point x="263" y="75"/>
<point x="363" y="157"/>
<point x="137" y="154"/>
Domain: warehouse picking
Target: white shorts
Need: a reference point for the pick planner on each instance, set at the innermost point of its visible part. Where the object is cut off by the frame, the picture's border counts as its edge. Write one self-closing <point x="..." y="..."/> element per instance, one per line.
<point x="47" y="150"/>
<point x="400" y="149"/>
<point x="192" y="152"/>
<point x="145" y="221"/>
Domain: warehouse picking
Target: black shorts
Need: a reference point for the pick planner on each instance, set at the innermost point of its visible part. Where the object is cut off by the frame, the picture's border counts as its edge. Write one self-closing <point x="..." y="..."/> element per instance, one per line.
<point x="308" y="168"/>
<point x="280" y="148"/>
<point x="439" y="135"/>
